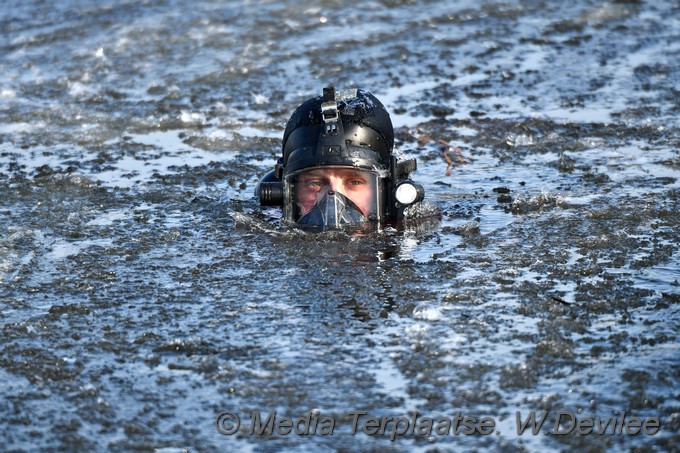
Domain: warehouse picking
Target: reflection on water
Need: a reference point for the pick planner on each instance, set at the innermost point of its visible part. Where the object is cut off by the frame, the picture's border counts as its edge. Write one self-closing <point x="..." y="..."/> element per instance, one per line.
<point x="143" y="291"/>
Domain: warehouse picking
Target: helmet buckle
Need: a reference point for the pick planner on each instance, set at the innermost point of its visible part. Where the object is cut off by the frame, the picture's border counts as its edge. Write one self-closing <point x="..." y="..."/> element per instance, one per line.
<point x="329" y="112"/>
<point x="329" y="108"/>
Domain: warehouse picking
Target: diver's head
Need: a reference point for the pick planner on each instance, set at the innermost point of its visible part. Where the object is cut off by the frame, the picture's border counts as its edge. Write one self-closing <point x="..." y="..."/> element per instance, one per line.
<point x="338" y="167"/>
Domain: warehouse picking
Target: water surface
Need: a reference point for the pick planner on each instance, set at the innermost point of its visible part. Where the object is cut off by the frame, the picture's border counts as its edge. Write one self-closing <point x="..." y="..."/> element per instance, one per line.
<point x="143" y="291"/>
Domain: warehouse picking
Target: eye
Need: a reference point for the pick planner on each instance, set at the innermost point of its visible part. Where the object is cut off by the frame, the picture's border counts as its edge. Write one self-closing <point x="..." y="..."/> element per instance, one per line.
<point x="356" y="182"/>
<point x="314" y="183"/>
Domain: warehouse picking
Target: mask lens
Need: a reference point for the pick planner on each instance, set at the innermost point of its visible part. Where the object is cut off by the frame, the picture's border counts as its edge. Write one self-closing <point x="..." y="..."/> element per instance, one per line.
<point x="331" y="196"/>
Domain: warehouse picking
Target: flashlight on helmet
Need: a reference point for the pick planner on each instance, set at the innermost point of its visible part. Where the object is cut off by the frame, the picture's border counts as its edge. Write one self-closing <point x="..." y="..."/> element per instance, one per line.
<point x="270" y="193"/>
<point x="408" y="193"/>
<point x="405" y="194"/>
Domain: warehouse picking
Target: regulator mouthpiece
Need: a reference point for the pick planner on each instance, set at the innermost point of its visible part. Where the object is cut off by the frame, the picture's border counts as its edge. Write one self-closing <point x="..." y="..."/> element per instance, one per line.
<point x="334" y="210"/>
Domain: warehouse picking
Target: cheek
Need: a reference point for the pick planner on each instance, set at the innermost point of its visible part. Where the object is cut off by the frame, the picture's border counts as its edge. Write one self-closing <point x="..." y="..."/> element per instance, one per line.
<point x="363" y="200"/>
<point x="306" y="197"/>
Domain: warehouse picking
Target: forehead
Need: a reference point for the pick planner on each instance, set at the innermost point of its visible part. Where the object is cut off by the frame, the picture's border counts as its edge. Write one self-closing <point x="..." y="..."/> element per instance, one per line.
<point x="334" y="172"/>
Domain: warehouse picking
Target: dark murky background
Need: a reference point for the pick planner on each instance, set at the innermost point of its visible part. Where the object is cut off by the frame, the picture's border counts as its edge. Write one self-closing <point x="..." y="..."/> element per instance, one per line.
<point x="143" y="291"/>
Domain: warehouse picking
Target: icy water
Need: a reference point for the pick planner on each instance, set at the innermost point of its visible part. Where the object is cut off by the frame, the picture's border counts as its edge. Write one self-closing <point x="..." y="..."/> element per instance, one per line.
<point x="143" y="291"/>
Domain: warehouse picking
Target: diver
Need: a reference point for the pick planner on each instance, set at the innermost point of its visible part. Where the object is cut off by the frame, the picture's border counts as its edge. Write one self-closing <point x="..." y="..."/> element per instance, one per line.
<point x="338" y="167"/>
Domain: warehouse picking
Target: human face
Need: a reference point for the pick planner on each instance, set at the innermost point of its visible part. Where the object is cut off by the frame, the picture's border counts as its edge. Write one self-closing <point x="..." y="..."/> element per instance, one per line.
<point x="357" y="185"/>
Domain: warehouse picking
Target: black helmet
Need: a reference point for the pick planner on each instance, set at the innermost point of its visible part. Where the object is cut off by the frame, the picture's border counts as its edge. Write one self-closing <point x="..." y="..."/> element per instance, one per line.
<point x="337" y="158"/>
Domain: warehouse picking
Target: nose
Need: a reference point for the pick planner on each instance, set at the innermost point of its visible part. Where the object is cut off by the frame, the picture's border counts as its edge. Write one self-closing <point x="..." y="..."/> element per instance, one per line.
<point x="335" y="184"/>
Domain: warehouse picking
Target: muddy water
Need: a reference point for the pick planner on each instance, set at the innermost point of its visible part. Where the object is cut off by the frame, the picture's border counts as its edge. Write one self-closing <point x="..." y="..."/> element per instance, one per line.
<point x="143" y="291"/>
